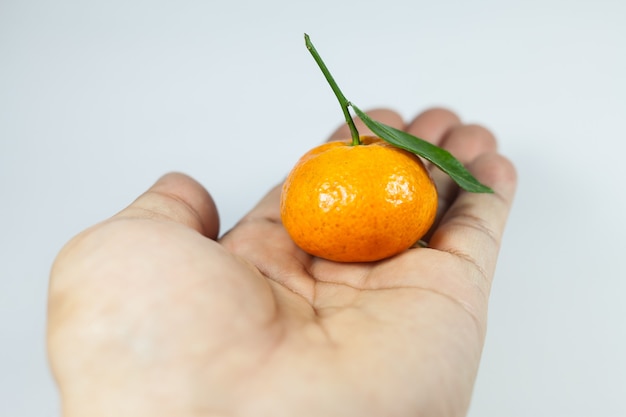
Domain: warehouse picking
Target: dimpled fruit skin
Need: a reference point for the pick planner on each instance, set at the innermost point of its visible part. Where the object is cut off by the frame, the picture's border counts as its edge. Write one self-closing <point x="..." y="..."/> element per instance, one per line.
<point x="358" y="203"/>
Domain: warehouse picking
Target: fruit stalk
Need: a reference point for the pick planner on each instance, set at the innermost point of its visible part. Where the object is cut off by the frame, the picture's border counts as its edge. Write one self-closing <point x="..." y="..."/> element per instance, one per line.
<point x="343" y="102"/>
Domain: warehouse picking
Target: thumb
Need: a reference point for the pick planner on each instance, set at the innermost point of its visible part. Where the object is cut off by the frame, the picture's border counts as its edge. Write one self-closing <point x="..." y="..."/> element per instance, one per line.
<point x="179" y="198"/>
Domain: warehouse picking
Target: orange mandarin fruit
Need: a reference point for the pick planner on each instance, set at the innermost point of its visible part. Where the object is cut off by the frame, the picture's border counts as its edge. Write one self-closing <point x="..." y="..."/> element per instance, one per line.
<point x="358" y="203"/>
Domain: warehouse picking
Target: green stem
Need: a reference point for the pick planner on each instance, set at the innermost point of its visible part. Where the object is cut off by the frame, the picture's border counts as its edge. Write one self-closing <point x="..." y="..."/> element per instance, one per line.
<point x="343" y="102"/>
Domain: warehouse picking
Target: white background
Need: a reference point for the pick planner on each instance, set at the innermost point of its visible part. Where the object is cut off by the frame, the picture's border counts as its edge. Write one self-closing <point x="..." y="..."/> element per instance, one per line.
<point x="100" y="98"/>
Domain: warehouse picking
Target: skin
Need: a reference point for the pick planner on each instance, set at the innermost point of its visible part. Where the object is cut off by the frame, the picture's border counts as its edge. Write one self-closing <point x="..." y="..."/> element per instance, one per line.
<point x="150" y="314"/>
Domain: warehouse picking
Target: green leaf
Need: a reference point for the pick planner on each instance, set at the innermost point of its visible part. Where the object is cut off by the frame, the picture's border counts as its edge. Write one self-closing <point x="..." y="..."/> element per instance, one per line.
<point x="443" y="159"/>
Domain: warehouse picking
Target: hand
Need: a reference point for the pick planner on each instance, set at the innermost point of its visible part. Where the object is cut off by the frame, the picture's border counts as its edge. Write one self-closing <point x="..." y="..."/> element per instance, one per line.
<point x="150" y="314"/>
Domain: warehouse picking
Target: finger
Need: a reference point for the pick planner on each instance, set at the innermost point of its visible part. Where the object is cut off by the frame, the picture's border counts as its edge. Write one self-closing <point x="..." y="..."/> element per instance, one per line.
<point x="464" y="142"/>
<point x="178" y="198"/>
<point x="433" y="125"/>
<point x="385" y="116"/>
<point x="473" y="226"/>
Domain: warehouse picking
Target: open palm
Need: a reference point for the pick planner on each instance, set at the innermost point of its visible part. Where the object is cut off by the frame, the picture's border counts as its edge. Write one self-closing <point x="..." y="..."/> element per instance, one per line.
<point x="151" y="314"/>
